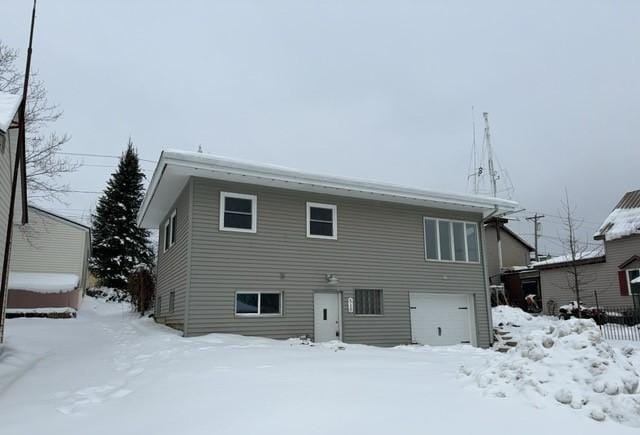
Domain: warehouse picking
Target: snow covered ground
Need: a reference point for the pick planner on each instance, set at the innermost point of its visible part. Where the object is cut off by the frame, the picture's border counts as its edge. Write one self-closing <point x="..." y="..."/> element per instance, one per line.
<point x="109" y="372"/>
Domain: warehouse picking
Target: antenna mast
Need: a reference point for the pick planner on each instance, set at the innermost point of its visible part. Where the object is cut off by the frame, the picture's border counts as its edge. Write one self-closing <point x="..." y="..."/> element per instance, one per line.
<point x="492" y="172"/>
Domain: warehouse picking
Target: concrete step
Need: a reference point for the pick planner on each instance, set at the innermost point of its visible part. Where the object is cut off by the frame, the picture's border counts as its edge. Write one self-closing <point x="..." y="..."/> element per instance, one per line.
<point x="511" y="343"/>
<point x="503" y="349"/>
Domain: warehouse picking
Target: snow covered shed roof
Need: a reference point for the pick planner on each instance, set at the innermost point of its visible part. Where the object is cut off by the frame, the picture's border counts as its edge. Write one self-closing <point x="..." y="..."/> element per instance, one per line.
<point x="584" y="257"/>
<point x="624" y="220"/>
<point x="176" y="167"/>
<point x="9" y="104"/>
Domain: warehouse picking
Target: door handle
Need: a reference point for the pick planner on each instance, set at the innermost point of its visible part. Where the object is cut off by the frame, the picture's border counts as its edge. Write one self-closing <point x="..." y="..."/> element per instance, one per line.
<point x="439" y="331"/>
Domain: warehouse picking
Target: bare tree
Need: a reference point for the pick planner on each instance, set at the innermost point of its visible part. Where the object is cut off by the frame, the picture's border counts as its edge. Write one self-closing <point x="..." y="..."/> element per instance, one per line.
<point x="577" y="277"/>
<point x="44" y="164"/>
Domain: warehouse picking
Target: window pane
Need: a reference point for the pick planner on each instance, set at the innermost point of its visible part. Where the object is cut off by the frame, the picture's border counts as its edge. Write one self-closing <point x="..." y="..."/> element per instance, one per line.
<point x="369" y="302"/>
<point x="235" y="220"/>
<point x="458" y="242"/>
<point x="167" y="234"/>
<point x="173" y="229"/>
<point x="247" y="303"/>
<point x="445" y="240"/>
<point x="472" y="242"/>
<point x="269" y="303"/>
<point x="635" y="287"/>
<point x="431" y="240"/>
<point x="237" y="204"/>
<point x="321" y="214"/>
<point x="321" y="228"/>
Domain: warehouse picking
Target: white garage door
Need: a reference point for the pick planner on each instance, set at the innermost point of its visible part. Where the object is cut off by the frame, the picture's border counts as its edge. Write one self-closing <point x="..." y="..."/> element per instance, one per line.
<point x="441" y="319"/>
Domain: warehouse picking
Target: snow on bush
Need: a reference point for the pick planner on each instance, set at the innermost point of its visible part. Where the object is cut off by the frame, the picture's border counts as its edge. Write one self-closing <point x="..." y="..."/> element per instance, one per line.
<point x="567" y="362"/>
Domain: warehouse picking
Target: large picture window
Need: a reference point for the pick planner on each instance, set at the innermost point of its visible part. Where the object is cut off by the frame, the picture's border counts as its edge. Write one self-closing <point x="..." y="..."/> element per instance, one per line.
<point x="238" y="212"/>
<point x="369" y="302"/>
<point x="322" y="221"/>
<point x="446" y="240"/>
<point x="258" y="303"/>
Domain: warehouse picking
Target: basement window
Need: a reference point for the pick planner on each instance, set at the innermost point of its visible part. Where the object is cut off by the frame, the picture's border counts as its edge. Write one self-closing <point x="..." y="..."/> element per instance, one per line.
<point x="322" y="221"/>
<point x="368" y="302"/>
<point x="238" y="212"/>
<point x="258" y="303"/>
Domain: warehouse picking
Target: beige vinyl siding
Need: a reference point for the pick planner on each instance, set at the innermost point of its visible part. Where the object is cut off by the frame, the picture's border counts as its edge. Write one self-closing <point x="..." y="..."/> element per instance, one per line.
<point x="514" y="253"/>
<point x="6" y="169"/>
<point x="173" y="264"/>
<point x="47" y="244"/>
<point x="380" y="245"/>
<point x="600" y="277"/>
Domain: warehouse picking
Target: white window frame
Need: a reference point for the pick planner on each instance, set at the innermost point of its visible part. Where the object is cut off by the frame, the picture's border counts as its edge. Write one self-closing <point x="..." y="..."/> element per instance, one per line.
<point x="170" y="239"/>
<point x="259" y="293"/>
<point x="628" y="272"/>
<point x="254" y="212"/>
<point x="334" y="214"/>
<point x="451" y="241"/>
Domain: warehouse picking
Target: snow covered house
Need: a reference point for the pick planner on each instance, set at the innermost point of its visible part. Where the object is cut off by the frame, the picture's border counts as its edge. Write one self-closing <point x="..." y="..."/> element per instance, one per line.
<point x="49" y="262"/>
<point x="608" y="270"/>
<point x="262" y="250"/>
<point x="9" y="177"/>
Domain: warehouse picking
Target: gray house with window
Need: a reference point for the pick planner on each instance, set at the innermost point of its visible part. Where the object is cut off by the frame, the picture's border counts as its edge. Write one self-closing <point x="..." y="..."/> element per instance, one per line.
<point x="262" y="250"/>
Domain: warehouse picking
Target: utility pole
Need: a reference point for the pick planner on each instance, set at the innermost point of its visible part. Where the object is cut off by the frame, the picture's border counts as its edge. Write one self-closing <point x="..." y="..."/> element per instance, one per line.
<point x="536" y="226"/>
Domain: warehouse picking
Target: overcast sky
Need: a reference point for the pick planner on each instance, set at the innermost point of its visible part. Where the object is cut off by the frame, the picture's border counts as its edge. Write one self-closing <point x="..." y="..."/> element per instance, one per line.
<point x="379" y="90"/>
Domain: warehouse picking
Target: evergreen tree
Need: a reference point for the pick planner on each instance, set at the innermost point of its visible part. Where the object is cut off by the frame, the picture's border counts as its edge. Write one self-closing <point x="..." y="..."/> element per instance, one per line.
<point x="119" y="246"/>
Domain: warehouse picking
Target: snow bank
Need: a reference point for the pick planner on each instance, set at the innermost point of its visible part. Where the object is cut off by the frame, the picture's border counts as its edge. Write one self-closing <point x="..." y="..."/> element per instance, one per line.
<point x="43" y="282"/>
<point x="47" y="310"/>
<point x="505" y="315"/>
<point x="566" y="362"/>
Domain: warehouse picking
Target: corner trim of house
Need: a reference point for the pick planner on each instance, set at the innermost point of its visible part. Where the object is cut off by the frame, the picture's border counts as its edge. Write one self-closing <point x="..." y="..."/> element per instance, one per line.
<point x="487" y="294"/>
<point x="187" y="291"/>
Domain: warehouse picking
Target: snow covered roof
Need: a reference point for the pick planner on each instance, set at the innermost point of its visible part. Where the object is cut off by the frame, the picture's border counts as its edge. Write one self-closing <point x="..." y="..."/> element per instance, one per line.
<point x="624" y="220"/>
<point x="9" y="104"/>
<point x="43" y="282"/>
<point x="175" y="167"/>
<point x="591" y="255"/>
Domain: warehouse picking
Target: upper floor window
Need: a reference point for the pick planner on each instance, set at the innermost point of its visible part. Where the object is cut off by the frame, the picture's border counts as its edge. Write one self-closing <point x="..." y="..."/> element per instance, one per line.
<point x="446" y="240"/>
<point x="633" y="274"/>
<point x="322" y="221"/>
<point x="170" y="231"/>
<point x="238" y="212"/>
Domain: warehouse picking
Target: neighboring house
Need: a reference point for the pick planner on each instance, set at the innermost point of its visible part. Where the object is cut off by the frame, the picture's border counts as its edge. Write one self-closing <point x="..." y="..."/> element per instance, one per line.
<point x="262" y="250"/>
<point x="49" y="262"/>
<point x="607" y="270"/>
<point x="508" y="258"/>
<point x="505" y="249"/>
<point x="9" y="178"/>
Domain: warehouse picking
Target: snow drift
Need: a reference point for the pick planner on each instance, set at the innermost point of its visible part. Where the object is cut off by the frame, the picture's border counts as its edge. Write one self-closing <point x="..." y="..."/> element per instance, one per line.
<point x="567" y="362"/>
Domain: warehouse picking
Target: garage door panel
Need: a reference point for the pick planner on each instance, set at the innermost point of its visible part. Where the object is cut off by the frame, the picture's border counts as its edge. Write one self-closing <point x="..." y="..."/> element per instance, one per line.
<point x="441" y="319"/>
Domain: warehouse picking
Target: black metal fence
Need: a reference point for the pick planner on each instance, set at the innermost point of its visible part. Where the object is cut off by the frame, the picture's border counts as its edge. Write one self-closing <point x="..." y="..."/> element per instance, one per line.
<point x="619" y="323"/>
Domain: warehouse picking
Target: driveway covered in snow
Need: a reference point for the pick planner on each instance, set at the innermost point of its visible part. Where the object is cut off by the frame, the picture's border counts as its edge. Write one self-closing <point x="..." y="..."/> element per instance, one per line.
<point x="109" y="372"/>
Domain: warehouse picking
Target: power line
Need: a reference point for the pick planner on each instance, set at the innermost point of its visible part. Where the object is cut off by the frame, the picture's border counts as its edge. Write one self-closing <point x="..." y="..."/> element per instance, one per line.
<point x="105" y="156"/>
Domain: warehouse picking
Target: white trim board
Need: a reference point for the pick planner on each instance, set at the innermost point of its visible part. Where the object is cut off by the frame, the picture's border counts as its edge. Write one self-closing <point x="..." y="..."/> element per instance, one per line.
<point x="175" y="167"/>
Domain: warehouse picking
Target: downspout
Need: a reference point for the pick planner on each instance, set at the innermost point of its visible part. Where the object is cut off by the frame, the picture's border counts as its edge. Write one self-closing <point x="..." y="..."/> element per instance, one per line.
<point x="487" y="289"/>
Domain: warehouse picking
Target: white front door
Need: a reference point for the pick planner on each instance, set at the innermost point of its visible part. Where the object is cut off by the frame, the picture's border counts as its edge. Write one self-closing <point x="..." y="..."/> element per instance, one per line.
<point x="326" y="317"/>
<point x="441" y="319"/>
